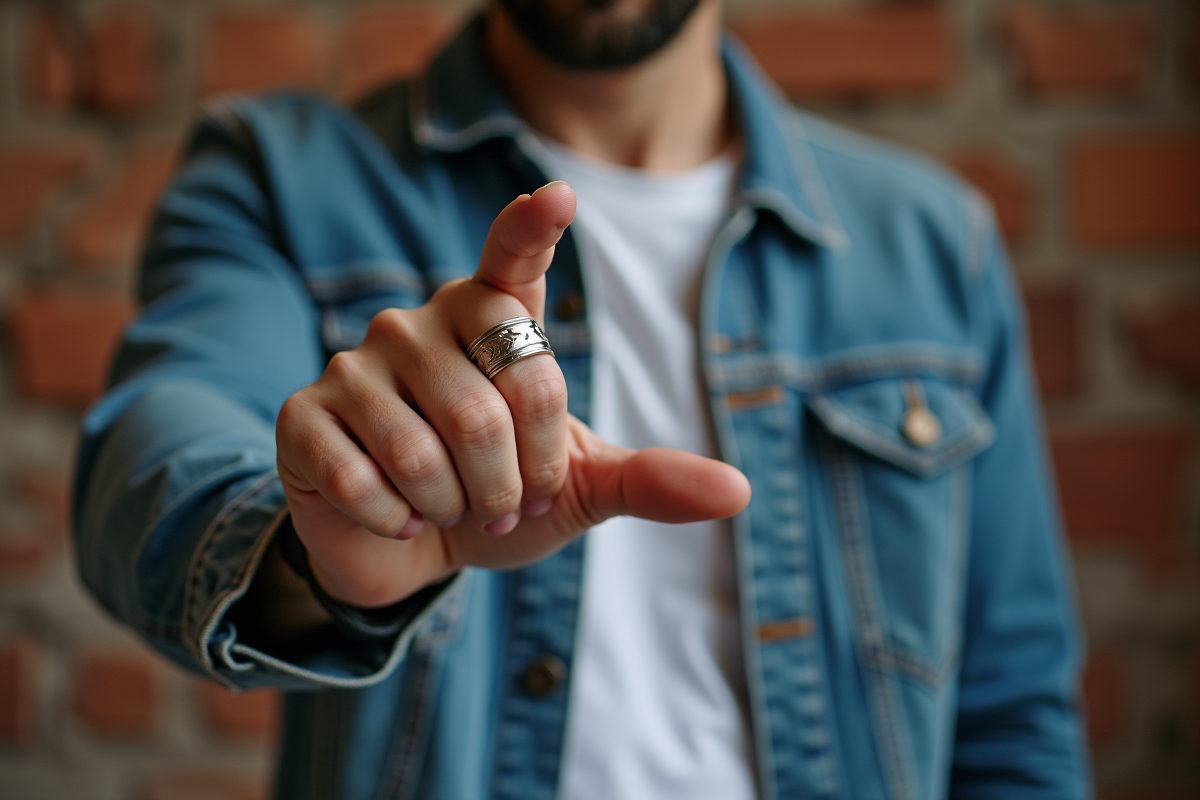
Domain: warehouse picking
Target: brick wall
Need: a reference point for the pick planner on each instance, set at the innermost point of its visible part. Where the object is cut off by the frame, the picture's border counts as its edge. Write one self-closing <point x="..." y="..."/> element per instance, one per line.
<point x="1079" y="119"/>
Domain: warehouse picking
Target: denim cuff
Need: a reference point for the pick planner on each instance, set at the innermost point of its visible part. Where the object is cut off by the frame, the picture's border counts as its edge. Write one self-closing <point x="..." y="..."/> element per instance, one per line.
<point x="222" y="570"/>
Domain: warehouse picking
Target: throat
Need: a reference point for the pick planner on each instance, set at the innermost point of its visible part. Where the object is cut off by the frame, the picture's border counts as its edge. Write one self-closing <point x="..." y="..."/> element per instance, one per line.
<point x="668" y="113"/>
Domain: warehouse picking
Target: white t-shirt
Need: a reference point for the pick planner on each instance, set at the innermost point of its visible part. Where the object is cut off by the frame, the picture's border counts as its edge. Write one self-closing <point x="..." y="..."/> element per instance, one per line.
<point x="658" y="698"/>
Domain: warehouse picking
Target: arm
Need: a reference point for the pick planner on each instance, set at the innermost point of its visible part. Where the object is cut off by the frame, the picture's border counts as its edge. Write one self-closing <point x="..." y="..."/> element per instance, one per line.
<point x="177" y="494"/>
<point x="1018" y="731"/>
<point x="397" y="463"/>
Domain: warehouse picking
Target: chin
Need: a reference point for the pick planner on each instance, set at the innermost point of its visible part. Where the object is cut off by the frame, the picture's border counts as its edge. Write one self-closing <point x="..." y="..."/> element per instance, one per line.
<point x="598" y="34"/>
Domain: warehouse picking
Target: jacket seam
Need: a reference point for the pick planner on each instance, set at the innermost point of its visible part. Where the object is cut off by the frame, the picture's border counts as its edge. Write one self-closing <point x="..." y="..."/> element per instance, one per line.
<point x="809" y="173"/>
<point x="198" y="638"/>
<point x="401" y="775"/>
<point x="881" y="693"/>
<point x="866" y="435"/>
<point x="975" y="248"/>
<point x="826" y="374"/>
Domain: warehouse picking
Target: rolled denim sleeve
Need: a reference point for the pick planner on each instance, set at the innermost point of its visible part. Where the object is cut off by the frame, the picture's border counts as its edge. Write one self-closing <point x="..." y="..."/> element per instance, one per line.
<point x="177" y="496"/>
<point x="1018" y="729"/>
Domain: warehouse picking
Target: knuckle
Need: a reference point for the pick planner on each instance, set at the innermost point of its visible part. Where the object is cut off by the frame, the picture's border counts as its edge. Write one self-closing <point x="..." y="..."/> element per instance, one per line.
<point x="349" y="482"/>
<point x="344" y="367"/>
<point x="547" y="474"/>
<point x="389" y="324"/>
<point x="297" y="436"/>
<point x="479" y="421"/>
<point x="309" y="442"/>
<point x="451" y="298"/>
<point x="414" y="455"/>
<point x="498" y="502"/>
<point x="448" y="289"/>
<point x="543" y="397"/>
<point x="291" y="416"/>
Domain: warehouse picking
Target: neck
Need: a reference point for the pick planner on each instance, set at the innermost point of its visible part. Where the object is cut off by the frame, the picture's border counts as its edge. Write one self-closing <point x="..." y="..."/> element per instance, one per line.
<point x="669" y="112"/>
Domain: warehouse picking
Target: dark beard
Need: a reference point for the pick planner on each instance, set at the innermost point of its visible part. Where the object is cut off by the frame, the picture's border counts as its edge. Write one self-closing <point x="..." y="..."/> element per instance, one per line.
<point x="591" y="37"/>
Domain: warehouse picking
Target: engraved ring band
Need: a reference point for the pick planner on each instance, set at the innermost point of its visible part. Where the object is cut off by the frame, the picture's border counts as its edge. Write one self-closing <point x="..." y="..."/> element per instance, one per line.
<point x="507" y="343"/>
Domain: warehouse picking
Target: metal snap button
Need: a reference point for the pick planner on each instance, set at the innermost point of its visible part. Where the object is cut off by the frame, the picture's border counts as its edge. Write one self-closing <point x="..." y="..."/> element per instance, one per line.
<point x="921" y="427"/>
<point x="543" y="675"/>
<point x="570" y="307"/>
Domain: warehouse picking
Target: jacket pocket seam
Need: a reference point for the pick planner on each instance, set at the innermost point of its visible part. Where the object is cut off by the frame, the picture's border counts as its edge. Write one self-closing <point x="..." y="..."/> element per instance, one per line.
<point x="871" y="640"/>
<point x="881" y="442"/>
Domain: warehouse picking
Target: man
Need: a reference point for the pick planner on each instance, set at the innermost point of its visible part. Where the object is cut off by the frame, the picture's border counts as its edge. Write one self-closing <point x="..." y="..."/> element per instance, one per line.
<point x="337" y="454"/>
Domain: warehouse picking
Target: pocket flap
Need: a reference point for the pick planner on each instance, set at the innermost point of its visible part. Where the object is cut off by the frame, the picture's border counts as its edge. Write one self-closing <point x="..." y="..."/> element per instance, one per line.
<point x="872" y="418"/>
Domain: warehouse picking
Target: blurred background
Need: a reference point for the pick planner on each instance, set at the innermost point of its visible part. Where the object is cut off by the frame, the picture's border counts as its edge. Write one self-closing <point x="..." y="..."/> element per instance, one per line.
<point x="1079" y="119"/>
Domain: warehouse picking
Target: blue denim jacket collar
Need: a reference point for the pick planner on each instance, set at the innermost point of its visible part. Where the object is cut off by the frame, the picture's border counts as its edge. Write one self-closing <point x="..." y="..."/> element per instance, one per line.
<point x="457" y="105"/>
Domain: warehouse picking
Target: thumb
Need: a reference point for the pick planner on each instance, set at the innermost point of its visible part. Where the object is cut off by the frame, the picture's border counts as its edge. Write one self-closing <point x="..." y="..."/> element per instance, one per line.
<point x="520" y="244"/>
<point x="663" y="485"/>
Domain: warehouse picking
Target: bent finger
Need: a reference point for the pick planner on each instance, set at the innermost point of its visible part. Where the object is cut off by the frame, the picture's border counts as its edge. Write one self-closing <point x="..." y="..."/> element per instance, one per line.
<point x="324" y="456"/>
<point x="409" y="451"/>
<point x="472" y="418"/>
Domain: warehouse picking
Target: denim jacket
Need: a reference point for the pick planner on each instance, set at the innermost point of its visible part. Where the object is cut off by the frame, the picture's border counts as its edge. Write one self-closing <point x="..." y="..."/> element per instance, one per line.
<point x="908" y="631"/>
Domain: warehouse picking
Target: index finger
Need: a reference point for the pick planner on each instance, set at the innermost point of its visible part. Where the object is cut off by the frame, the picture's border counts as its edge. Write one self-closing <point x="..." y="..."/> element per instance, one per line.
<point x="520" y="244"/>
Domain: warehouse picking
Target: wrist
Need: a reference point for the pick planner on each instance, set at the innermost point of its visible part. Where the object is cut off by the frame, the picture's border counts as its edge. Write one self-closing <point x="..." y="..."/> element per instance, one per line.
<point x="354" y="621"/>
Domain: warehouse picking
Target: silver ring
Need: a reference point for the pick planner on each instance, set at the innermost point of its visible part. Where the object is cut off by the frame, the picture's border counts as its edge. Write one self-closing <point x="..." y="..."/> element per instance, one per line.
<point x="505" y="344"/>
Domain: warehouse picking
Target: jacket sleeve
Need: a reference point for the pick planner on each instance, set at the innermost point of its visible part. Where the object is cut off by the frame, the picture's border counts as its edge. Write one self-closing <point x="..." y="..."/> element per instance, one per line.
<point x="1018" y="727"/>
<point x="177" y="497"/>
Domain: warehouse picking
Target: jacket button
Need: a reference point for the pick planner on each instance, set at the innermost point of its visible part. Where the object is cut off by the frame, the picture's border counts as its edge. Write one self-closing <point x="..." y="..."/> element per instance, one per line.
<point x="921" y="427"/>
<point x="543" y="675"/>
<point x="570" y="307"/>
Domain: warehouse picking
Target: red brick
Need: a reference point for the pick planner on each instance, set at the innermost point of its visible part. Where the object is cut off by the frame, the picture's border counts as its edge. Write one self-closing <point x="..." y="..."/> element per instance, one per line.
<point x="1168" y="339"/>
<point x="1123" y="487"/>
<point x="52" y="79"/>
<point x="1055" y="330"/>
<point x="62" y="341"/>
<point x="1136" y="191"/>
<point x="1105" y="697"/>
<point x="1080" y="52"/>
<point x="110" y="229"/>
<point x="252" y="51"/>
<point x="123" y="60"/>
<point x="386" y="43"/>
<point x="1004" y="184"/>
<point x="117" y="695"/>
<point x="19" y="661"/>
<point x="23" y="556"/>
<point x="32" y="173"/>
<point x="191" y="785"/>
<point x="247" y="715"/>
<point x="883" y="50"/>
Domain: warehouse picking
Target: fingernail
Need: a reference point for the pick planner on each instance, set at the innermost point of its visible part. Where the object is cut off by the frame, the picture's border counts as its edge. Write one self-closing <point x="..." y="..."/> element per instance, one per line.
<point x="552" y="183"/>
<point x="451" y="523"/>
<point x="537" y="508"/>
<point x="415" y="524"/>
<point x="502" y="526"/>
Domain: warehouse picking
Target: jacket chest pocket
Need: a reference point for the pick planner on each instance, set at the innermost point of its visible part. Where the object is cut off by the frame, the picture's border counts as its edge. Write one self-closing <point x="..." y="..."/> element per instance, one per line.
<point x="898" y="459"/>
